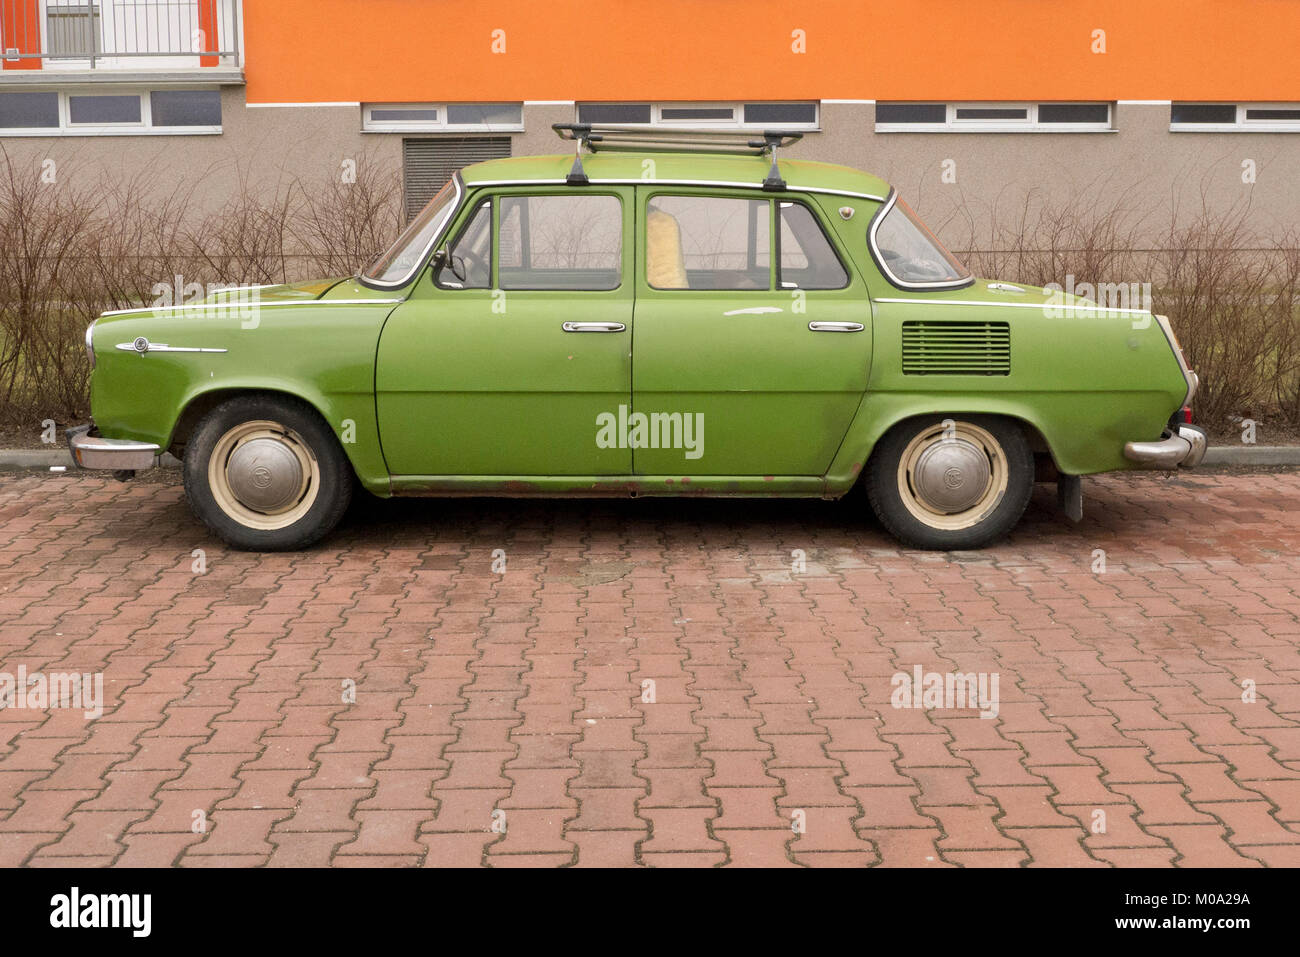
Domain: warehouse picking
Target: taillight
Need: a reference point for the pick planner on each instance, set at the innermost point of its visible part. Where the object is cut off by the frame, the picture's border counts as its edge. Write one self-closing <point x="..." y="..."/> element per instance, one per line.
<point x="1185" y="415"/>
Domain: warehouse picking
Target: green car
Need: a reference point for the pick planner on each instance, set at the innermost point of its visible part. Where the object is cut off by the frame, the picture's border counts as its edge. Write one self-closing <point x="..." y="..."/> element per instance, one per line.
<point x="652" y="315"/>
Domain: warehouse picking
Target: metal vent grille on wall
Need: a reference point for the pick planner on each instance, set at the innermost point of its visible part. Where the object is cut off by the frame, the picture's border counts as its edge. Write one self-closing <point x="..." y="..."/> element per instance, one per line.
<point x="956" y="348"/>
<point x="427" y="164"/>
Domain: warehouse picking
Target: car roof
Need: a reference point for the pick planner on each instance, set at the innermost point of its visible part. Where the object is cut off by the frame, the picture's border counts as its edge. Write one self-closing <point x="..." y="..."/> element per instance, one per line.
<point x="708" y="169"/>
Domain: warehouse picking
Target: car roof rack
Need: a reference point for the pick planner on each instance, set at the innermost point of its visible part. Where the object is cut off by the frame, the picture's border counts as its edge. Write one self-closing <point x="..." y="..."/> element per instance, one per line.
<point x="638" y="139"/>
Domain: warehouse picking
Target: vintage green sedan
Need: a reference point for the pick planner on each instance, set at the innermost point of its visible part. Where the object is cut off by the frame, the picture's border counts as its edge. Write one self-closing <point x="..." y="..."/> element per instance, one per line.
<point x="652" y="315"/>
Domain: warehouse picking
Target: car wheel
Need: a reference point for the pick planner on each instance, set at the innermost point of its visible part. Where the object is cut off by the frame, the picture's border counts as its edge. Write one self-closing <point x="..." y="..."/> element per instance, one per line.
<point x="951" y="483"/>
<point x="267" y="474"/>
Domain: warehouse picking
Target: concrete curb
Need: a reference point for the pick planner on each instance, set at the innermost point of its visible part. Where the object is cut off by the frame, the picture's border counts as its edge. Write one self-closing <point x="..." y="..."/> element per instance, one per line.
<point x="1246" y="456"/>
<point x="53" y="458"/>
<point x="1252" y="455"/>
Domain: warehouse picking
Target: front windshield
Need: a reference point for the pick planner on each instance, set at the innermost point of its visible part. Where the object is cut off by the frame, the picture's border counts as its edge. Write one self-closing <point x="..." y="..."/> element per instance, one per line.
<point x="396" y="265"/>
<point x="911" y="254"/>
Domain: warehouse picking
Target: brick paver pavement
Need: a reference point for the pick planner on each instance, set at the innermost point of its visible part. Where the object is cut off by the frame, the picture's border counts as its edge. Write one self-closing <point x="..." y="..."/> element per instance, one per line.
<point x="658" y="683"/>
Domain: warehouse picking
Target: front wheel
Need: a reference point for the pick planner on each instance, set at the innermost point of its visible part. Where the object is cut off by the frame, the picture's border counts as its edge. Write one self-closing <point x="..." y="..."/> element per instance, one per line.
<point x="266" y="474"/>
<point x="951" y="483"/>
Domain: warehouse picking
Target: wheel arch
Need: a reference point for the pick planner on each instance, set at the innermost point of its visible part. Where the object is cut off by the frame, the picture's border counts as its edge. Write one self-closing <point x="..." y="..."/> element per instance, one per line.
<point x="362" y="453"/>
<point x="875" y="420"/>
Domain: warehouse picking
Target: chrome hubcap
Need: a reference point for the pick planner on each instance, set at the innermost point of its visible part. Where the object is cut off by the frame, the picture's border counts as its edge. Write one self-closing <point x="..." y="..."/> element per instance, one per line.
<point x="264" y="474"/>
<point x="951" y="475"/>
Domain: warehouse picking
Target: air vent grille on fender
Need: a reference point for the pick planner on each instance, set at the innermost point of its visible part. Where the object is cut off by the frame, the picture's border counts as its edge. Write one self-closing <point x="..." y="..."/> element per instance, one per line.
<point x="956" y="348"/>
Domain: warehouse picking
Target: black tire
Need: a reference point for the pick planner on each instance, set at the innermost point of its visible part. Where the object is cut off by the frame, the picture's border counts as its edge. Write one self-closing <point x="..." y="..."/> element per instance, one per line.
<point x="272" y="447"/>
<point x="942" y="452"/>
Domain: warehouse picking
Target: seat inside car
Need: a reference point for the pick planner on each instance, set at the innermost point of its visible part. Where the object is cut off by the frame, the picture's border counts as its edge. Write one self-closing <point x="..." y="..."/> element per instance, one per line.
<point x="665" y="267"/>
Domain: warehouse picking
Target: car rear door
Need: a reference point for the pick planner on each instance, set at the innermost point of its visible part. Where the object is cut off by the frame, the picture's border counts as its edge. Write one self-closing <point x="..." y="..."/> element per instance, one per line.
<point x="751" y="328"/>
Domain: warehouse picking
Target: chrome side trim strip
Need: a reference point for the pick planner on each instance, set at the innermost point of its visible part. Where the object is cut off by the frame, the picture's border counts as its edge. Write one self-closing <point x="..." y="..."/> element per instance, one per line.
<point x="753" y="311"/>
<point x="1015" y="305"/>
<point x="253" y="305"/>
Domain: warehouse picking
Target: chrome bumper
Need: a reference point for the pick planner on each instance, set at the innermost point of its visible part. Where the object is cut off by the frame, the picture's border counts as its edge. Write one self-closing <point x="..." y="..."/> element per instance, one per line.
<point x="1184" y="448"/>
<point x="96" y="452"/>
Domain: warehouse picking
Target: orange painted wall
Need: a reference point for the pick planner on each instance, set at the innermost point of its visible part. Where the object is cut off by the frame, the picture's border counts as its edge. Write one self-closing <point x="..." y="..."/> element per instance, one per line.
<point x="21" y="21"/>
<point x="408" y="50"/>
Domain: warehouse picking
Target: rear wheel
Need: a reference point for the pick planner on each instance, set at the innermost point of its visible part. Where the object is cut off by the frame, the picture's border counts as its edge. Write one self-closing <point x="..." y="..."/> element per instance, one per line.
<point x="951" y="483"/>
<point x="266" y="474"/>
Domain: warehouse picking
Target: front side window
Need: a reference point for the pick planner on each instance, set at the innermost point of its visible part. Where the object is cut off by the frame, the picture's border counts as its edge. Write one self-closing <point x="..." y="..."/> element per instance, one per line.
<point x="401" y="260"/>
<point x="468" y="262"/>
<point x="560" y="242"/>
<point x="909" y="254"/>
<point x="708" y="242"/>
<point x="808" y="260"/>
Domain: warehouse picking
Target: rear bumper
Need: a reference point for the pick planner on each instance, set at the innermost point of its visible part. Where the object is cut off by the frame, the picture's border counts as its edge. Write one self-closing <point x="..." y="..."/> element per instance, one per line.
<point x="91" y="451"/>
<point x="1182" y="448"/>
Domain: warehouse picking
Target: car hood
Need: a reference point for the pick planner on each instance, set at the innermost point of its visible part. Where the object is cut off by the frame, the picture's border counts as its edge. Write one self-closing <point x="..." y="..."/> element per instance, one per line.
<point x="192" y="302"/>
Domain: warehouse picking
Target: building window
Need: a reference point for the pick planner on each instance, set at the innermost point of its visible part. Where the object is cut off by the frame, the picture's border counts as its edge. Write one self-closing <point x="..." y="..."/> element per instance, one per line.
<point x="115" y="110"/>
<point x="427" y="164"/>
<point x="993" y="117"/>
<point x="186" y="107"/>
<point x="98" y="113"/>
<point x="1240" y="117"/>
<point x="28" y="111"/>
<point x="436" y="117"/>
<point x="792" y="116"/>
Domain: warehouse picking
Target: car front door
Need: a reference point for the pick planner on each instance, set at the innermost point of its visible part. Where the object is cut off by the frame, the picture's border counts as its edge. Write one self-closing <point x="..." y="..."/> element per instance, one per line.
<point x="514" y="342"/>
<point x="752" y="331"/>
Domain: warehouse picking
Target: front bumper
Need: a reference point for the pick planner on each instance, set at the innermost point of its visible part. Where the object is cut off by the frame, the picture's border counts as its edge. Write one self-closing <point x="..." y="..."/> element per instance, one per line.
<point x="90" y="451"/>
<point x="1184" y="447"/>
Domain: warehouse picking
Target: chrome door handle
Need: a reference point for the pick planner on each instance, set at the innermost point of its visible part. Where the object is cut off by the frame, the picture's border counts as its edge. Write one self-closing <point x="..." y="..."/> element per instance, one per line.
<point x="835" y="326"/>
<point x="593" y="327"/>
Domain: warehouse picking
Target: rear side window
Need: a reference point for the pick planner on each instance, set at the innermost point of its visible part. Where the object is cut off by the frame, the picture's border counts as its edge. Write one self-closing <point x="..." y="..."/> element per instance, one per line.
<point x="808" y="260"/>
<point x="560" y="242"/>
<point x="708" y="242"/>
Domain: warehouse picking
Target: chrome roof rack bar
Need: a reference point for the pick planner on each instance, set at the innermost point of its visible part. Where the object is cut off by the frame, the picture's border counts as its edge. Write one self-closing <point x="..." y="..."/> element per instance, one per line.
<point x="641" y="140"/>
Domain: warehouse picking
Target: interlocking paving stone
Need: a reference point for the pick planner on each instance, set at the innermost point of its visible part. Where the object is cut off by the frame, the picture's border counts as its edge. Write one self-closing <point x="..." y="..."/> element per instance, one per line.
<point x="655" y="683"/>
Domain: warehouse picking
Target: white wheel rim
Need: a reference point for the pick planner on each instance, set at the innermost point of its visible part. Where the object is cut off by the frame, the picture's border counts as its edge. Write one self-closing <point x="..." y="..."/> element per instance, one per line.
<point x="952" y="475"/>
<point x="263" y="475"/>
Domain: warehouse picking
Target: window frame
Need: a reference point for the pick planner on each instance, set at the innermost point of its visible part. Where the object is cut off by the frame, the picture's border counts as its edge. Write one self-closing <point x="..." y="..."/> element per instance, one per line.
<point x="908" y="285"/>
<point x="1241" y="124"/>
<point x="737" y="121"/>
<point x="473" y="209"/>
<point x="1030" y="124"/>
<point x="144" y="127"/>
<point x="643" y="263"/>
<point x="779" y="285"/>
<point x="441" y="125"/>
<point x="524" y="191"/>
